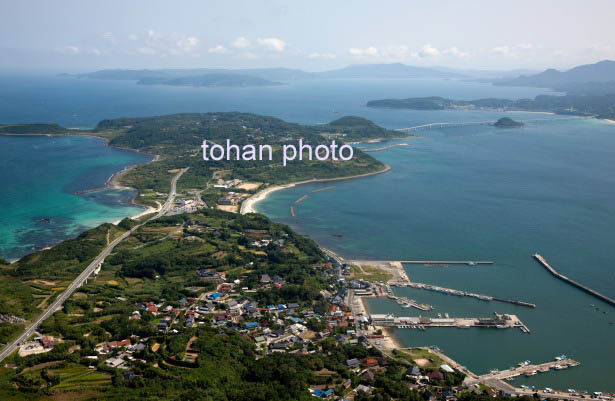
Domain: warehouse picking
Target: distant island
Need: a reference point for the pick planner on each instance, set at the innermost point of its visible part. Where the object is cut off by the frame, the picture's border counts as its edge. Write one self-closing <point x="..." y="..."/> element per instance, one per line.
<point x="210" y="81"/>
<point x="356" y="71"/>
<point x="584" y="79"/>
<point x="600" y="106"/>
<point x="506" y="122"/>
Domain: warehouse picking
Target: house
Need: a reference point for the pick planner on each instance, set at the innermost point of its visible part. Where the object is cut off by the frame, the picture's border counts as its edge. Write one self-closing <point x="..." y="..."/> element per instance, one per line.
<point x="445" y="367"/>
<point x="324" y="393"/>
<point x="436" y="375"/>
<point x="413" y="371"/>
<point x="119" y="344"/>
<point x="448" y="395"/>
<point x="114" y="362"/>
<point x="363" y="388"/>
<point x="260" y="340"/>
<point x="163" y="326"/>
<point x="137" y="348"/>
<point x="265" y="279"/>
<point x="367" y="375"/>
<point x="214" y="296"/>
<point x="279" y="346"/>
<point x="48" y="341"/>
<point x="252" y="325"/>
<point x="210" y="275"/>
<point x="231" y="199"/>
<point x="369" y="362"/>
<point x="152" y="309"/>
<point x="353" y="363"/>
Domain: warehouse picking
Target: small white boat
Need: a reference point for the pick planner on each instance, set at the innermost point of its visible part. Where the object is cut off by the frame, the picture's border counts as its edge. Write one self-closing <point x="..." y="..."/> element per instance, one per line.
<point x="532" y="373"/>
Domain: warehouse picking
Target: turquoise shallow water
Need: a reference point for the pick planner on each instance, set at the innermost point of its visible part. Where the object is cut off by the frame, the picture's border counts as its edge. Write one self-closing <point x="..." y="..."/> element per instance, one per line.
<point x="471" y="193"/>
<point x="40" y="176"/>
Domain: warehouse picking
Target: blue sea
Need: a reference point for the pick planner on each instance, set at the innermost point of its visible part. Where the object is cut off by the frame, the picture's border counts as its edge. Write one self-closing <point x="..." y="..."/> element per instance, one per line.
<point x="41" y="176"/>
<point x="457" y="193"/>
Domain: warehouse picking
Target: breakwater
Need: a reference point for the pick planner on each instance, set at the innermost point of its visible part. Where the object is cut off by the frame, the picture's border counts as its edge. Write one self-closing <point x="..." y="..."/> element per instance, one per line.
<point x="582" y="287"/>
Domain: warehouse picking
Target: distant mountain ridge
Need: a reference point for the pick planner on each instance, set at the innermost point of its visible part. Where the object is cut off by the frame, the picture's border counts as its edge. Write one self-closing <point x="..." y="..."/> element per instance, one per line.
<point x="394" y="70"/>
<point x="375" y="71"/>
<point x="210" y="80"/>
<point x="577" y="77"/>
<point x="286" y="74"/>
<point x="600" y="106"/>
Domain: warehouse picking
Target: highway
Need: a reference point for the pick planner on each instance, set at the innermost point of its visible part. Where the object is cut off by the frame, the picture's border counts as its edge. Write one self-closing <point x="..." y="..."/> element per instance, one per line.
<point x="82" y="278"/>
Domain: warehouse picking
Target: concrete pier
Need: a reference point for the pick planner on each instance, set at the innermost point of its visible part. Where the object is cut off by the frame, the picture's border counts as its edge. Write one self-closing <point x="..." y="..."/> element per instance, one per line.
<point x="541" y="368"/>
<point x="504" y="321"/>
<point x="450" y="291"/>
<point x="588" y="290"/>
<point x="298" y="201"/>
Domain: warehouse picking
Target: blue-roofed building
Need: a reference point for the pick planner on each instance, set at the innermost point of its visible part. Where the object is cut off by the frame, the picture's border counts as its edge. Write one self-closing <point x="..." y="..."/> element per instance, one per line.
<point x="215" y="295"/>
<point x="251" y="325"/>
<point x="323" y="393"/>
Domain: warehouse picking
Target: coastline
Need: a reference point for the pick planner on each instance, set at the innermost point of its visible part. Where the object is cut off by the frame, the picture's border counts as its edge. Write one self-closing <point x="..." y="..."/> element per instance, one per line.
<point x="387" y="343"/>
<point x="248" y="205"/>
<point x="113" y="182"/>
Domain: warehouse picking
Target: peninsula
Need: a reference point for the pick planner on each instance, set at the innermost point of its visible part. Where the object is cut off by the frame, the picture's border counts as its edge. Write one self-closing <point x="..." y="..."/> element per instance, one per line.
<point x="599" y="106"/>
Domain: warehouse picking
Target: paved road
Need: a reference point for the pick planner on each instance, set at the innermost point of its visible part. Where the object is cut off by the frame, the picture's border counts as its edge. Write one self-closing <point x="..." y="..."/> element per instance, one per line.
<point x="11" y="347"/>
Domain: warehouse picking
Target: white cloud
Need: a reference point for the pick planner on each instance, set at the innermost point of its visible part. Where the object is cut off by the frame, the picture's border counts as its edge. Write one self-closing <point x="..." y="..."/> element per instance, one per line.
<point x="402" y="53"/>
<point x="505" y="51"/>
<point x="69" y="50"/>
<point x="514" y="51"/>
<point x="250" y="56"/>
<point x="95" y="51"/>
<point x="429" y="51"/>
<point x="328" y="56"/>
<point x="166" y="45"/>
<point x="241" y="43"/>
<point x="370" y="51"/>
<point x="110" y="37"/>
<point x="601" y="51"/>
<point x="147" y="50"/>
<point x="273" y="44"/>
<point x="187" y="44"/>
<point x="219" y="49"/>
<point x="455" y="52"/>
<point x="525" y="46"/>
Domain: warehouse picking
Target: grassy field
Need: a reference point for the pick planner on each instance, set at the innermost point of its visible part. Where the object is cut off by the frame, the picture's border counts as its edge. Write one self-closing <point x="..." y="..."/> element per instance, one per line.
<point x="420" y="357"/>
<point x="370" y="273"/>
<point x="77" y="377"/>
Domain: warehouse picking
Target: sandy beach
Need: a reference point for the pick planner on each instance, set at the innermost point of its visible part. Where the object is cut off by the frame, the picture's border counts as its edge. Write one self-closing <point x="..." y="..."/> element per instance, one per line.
<point x="248" y="205"/>
<point x="389" y="342"/>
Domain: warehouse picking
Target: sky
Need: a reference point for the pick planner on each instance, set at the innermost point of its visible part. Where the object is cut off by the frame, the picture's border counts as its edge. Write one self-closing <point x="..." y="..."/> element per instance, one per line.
<point x="314" y="35"/>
